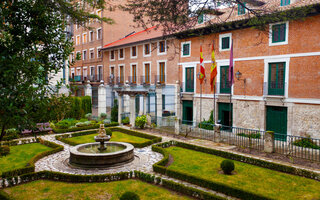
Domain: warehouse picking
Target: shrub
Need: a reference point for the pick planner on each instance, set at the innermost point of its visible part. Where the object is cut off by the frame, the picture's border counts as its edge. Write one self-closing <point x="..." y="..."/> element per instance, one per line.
<point x="88" y="116"/>
<point x="4" y="150"/>
<point x="103" y="116"/>
<point x="251" y="135"/>
<point x="307" y="143"/>
<point x="129" y="196"/>
<point x="80" y="124"/>
<point x="108" y="131"/>
<point x="11" y="134"/>
<point x="227" y="166"/>
<point x="63" y="124"/>
<point x="106" y="121"/>
<point x="114" y="111"/>
<point x="209" y="124"/>
<point x="125" y="120"/>
<point x="141" y="121"/>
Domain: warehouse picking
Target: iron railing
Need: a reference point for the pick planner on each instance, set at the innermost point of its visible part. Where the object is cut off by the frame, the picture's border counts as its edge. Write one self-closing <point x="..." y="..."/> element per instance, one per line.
<point x="160" y="79"/>
<point x="133" y="80"/>
<point x="120" y="80"/>
<point x="145" y="80"/>
<point x="95" y="78"/>
<point x="111" y="81"/>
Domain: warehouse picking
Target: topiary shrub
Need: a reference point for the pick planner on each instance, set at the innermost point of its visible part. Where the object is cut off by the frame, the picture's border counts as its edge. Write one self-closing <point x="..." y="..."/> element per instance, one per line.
<point x="141" y="121"/>
<point x="227" y="166"/>
<point x="88" y="116"/>
<point x="103" y="116"/>
<point x="108" y="131"/>
<point x="129" y="196"/>
<point x="4" y="150"/>
<point x="125" y="120"/>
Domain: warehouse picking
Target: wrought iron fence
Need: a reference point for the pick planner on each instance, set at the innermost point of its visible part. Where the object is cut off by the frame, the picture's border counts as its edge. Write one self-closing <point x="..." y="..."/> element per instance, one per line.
<point x="160" y="79"/>
<point x="197" y="130"/>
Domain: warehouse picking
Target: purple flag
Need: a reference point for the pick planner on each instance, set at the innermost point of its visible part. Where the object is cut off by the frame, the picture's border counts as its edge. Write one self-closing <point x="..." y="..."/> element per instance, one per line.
<point x="231" y="79"/>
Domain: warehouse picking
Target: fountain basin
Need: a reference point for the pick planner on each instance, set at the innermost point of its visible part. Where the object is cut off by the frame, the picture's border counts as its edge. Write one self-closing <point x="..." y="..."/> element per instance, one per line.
<point x="88" y="155"/>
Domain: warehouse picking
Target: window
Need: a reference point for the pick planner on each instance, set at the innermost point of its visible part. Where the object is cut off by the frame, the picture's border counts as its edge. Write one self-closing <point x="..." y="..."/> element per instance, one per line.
<point x="92" y="53"/>
<point x="146" y="73"/>
<point x="285" y="2"/>
<point x="133" y="74"/>
<point x="146" y="50"/>
<point x="99" y="13"/>
<point x="112" y="55"/>
<point x="224" y="80"/>
<point x="78" y="55"/>
<point x="77" y="39"/>
<point x="279" y="34"/>
<point x="276" y="78"/>
<point x="121" y="74"/>
<point x="200" y="18"/>
<point x="185" y="49"/>
<point x="92" y="72"/>
<point x="99" y="54"/>
<point x="225" y="42"/>
<point x="241" y="9"/>
<point x="91" y="36"/>
<point x="99" y="34"/>
<point x="100" y="73"/>
<point x="134" y="52"/>
<point x="72" y="57"/>
<point x="84" y="54"/>
<point x="163" y="102"/>
<point x="161" y="47"/>
<point x="162" y="72"/>
<point x="84" y="38"/>
<point x="121" y="54"/>
<point x="85" y="73"/>
<point x="189" y="79"/>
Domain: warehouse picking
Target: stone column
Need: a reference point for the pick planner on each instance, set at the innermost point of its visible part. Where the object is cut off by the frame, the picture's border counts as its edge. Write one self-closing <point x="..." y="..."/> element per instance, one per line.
<point x="159" y="104"/>
<point x="269" y="141"/>
<point x="88" y="89"/>
<point x="120" y="107"/>
<point x="217" y="133"/>
<point x="178" y="107"/>
<point x="102" y="99"/>
<point x="145" y="104"/>
<point x="132" y="106"/>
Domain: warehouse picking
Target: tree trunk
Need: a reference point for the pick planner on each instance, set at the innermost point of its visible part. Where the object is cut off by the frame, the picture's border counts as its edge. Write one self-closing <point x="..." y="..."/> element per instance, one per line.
<point x="2" y="132"/>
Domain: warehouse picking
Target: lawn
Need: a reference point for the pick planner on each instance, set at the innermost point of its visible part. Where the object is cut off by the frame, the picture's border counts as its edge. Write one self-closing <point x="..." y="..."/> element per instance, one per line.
<point x="116" y="137"/>
<point x="20" y="155"/>
<point x="250" y="178"/>
<point x="44" y="189"/>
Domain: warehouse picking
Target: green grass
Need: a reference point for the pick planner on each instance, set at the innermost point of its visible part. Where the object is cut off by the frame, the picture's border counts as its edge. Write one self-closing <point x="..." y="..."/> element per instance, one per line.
<point x="250" y="178"/>
<point x="20" y="155"/>
<point x="116" y="137"/>
<point x="95" y="191"/>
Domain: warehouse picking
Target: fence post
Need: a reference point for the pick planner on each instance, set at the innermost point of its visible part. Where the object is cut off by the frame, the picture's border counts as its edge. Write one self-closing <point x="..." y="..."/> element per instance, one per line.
<point x="217" y="133"/>
<point x="120" y="107"/>
<point x="177" y="108"/>
<point x="177" y="125"/>
<point x="159" y="104"/>
<point x="88" y="89"/>
<point x="269" y="142"/>
<point x="102" y="103"/>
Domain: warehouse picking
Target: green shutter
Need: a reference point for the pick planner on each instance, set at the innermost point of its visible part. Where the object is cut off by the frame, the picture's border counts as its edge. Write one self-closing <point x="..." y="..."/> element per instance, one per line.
<point x="186" y="49"/>
<point x="189" y="77"/>
<point x="285" y="2"/>
<point x="279" y="33"/>
<point x="224" y="110"/>
<point x="225" y="43"/>
<point x="163" y="102"/>
<point x="276" y="80"/>
<point x="224" y="80"/>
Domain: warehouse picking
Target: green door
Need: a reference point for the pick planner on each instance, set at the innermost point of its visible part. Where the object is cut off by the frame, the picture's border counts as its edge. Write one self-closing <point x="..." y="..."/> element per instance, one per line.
<point x="189" y="79"/>
<point x="224" y="80"/>
<point x="187" y="112"/>
<point x="277" y="121"/>
<point x="224" y="112"/>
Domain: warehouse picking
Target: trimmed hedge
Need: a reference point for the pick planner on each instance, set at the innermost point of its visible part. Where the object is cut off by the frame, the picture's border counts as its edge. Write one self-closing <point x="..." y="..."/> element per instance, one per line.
<point x="159" y="167"/>
<point x="74" y="129"/>
<point x="198" y="194"/>
<point x="30" y="167"/>
<point x="153" y="139"/>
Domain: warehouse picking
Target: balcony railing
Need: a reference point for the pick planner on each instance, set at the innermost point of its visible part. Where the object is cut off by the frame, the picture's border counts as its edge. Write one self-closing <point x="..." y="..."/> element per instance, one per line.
<point x="111" y="81"/>
<point x="160" y="79"/>
<point x="75" y="78"/>
<point x="145" y="80"/>
<point x="133" y="80"/>
<point x="95" y="78"/>
<point x="120" y="80"/>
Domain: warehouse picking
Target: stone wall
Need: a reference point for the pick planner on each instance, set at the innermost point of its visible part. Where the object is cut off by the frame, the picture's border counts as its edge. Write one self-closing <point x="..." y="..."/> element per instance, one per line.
<point x="248" y="114"/>
<point x="306" y="120"/>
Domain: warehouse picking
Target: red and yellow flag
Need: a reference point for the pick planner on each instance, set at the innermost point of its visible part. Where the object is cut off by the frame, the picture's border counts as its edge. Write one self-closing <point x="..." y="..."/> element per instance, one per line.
<point x="214" y="71"/>
<point x="202" y="70"/>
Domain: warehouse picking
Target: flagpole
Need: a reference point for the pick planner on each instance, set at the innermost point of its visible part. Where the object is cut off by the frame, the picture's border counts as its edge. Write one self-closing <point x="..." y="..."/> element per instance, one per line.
<point x="230" y="81"/>
<point x="200" y="104"/>
<point x="214" y="103"/>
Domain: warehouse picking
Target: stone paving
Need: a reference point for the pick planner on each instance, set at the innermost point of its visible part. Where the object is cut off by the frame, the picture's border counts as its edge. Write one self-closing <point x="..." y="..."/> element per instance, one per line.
<point x="58" y="162"/>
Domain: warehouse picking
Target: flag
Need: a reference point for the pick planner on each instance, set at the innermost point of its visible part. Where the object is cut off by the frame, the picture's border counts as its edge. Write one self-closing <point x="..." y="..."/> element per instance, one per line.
<point x="231" y="79"/>
<point x="202" y="70"/>
<point x="214" y="71"/>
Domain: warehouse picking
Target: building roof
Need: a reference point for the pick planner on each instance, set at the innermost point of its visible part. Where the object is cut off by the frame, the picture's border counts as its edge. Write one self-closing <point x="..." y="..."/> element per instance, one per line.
<point x="144" y="35"/>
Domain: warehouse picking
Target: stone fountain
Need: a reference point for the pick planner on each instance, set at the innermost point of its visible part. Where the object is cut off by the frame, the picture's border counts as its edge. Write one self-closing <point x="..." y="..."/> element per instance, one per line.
<point x="102" y="137"/>
<point x="102" y="153"/>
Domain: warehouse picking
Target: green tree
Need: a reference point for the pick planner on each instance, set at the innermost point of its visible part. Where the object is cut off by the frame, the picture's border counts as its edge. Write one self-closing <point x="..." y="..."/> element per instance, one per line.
<point x="33" y="43"/>
<point x="114" y="111"/>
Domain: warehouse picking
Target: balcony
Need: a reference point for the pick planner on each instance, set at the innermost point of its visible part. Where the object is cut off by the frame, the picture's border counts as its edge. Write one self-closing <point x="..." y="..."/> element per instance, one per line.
<point x="145" y="80"/>
<point x="111" y="81"/>
<point x="75" y="78"/>
<point x="95" y="78"/>
<point x="160" y="79"/>
<point x="120" y="80"/>
<point x="133" y="80"/>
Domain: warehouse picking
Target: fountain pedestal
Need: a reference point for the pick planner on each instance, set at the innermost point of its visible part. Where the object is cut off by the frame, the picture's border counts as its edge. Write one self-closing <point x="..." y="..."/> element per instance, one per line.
<point x="102" y="137"/>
